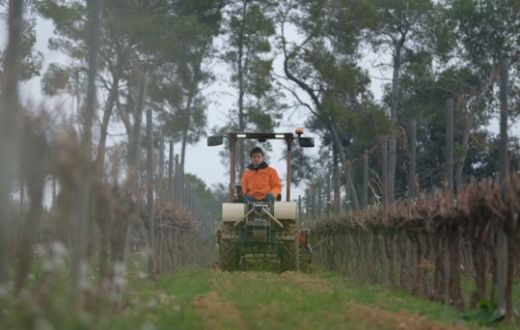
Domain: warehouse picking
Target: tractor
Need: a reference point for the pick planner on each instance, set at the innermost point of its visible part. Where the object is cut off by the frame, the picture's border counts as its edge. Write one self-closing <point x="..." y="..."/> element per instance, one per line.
<point x="262" y="230"/>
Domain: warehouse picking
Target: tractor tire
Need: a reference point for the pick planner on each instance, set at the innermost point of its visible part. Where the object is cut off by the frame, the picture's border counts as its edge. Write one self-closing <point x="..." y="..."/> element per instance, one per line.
<point x="288" y="255"/>
<point x="229" y="256"/>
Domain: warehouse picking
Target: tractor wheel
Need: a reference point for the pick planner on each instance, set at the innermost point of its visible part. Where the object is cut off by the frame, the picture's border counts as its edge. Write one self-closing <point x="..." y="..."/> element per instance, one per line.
<point x="288" y="255"/>
<point x="229" y="256"/>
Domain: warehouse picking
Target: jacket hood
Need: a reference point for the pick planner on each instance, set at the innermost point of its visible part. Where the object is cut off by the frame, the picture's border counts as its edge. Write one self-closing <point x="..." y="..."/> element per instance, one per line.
<point x="260" y="166"/>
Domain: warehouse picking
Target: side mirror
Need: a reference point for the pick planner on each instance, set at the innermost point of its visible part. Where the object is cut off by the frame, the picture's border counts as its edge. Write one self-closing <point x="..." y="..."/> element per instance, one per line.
<point x="215" y="140"/>
<point x="306" y="142"/>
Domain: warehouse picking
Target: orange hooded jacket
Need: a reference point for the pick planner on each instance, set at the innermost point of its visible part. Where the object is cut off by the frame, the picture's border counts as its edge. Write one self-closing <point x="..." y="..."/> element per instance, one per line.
<point x="258" y="182"/>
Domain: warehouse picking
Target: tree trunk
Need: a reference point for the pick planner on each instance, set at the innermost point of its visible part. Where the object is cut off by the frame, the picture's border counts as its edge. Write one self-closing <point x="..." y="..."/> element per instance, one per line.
<point x="150" y="191"/>
<point x="22" y="193"/>
<point x="313" y="203"/>
<point x="53" y="190"/>
<point x="161" y="184"/>
<point x="511" y="248"/>
<point x="504" y="91"/>
<point x="469" y="117"/>
<point x="241" y="90"/>
<point x="388" y="240"/>
<point x="170" y="170"/>
<point x="350" y="183"/>
<point x="421" y="284"/>
<point x="479" y="264"/>
<point x="329" y="200"/>
<point x="413" y="148"/>
<point x="307" y="204"/>
<point x="454" y="265"/>
<point x="503" y="174"/>
<point x="335" y="171"/>
<point x="392" y="143"/>
<point x="189" y="103"/>
<point x="133" y="139"/>
<point x="107" y="113"/>
<point x="82" y="218"/>
<point x="320" y="200"/>
<point x="183" y="147"/>
<point x="34" y="150"/>
<point x="161" y="158"/>
<point x="177" y="190"/>
<point x="449" y="144"/>
<point x="438" y="275"/>
<point x="404" y="270"/>
<point x="9" y="112"/>
<point x="384" y="172"/>
<point x="364" y="198"/>
<point x="127" y="206"/>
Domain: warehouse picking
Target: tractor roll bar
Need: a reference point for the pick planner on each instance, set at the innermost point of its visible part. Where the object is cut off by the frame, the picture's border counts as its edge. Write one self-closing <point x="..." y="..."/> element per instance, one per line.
<point x="304" y="142"/>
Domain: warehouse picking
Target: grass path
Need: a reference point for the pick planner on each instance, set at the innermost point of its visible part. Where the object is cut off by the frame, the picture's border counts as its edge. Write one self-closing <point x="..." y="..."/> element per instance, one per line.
<point x="210" y="299"/>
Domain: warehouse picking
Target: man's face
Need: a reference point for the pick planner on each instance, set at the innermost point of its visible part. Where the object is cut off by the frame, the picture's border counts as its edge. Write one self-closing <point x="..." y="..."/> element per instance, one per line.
<point x="257" y="158"/>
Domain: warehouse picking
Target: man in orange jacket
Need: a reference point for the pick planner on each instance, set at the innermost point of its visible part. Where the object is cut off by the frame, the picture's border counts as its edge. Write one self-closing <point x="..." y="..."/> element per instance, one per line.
<point x="260" y="181"/>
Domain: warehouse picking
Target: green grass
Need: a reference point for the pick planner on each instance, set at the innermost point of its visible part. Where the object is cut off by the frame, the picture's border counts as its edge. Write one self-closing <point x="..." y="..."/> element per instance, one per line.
<point x="395" y="301"/>
<point x="274" y="301"/>
<point x="204" y="298"/>
<point x="165" y="303"/>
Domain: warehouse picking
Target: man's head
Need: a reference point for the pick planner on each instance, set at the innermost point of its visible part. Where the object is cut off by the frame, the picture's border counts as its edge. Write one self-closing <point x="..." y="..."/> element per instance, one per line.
<point x="256" y="155"/>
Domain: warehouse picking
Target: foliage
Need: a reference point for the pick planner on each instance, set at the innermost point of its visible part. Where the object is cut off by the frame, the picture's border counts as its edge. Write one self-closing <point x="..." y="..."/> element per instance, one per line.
<point x="210" y="199"/>
<point x="301" y="167"/>
<point x="31" y="59"/>
<point x="487" y="29"/>
<point x="400" y="24"/>
<point x="249" y="28"/>
<point x="172" y="52"/>
<point x="324" y="65"/>
<point x="180" y="75"/>
<point x="55" y="79"/>
<point x="486" y="313"/>
<point x="483" y="156"/>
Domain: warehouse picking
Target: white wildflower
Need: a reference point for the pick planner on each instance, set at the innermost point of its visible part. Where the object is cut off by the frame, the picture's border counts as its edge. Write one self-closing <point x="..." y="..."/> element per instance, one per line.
<point x="163" y="297"/>
<point x="84" y="282"/>
<point x="119" y="279"/>
<point x="43" y="324"/>
<point x="54" y="257"/>
<point x="148" y="325"/>
<point x="152" y="303"/>
<point x="5" y="288"/>
<point x="40" y="250"/>
<point x="59" y="249"/>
